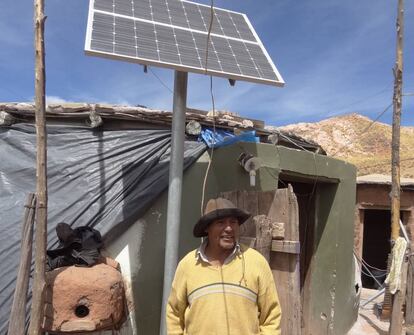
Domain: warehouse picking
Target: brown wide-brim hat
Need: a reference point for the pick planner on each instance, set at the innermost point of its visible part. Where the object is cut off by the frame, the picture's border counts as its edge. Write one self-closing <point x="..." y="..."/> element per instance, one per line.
<point x="217" y="209"/>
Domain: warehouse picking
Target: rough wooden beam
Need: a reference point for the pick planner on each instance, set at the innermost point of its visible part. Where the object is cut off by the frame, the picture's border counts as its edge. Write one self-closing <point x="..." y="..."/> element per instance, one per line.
<point x="290" y="247"/>
<point x="409" y="310"/>
<point x="36" y="316"/>
<point x="17" y="318"/>
<point x="398" y="300"/>
<point x="263" y="235"/>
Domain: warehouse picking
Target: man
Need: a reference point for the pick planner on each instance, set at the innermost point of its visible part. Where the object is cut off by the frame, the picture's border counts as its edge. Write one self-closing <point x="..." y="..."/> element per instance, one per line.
<point x="223" y="288"/>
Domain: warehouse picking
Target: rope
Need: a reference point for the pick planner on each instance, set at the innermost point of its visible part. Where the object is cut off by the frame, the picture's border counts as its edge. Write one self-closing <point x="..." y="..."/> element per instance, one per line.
<point x="365" y="263"/>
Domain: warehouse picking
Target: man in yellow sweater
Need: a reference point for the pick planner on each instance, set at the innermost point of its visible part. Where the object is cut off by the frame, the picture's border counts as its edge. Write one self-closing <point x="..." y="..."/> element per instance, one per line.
<point x="223" y="288"/>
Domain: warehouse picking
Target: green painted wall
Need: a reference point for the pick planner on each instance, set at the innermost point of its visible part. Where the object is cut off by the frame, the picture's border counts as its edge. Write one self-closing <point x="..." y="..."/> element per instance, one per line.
<point x="332" y="283"/>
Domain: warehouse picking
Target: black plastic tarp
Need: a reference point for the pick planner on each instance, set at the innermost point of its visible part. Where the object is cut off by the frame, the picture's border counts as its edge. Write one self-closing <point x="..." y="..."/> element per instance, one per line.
<point x="101" y="179"/>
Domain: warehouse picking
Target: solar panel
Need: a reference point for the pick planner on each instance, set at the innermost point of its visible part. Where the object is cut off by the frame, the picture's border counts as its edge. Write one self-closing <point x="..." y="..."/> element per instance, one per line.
<point x="174" y="34"/>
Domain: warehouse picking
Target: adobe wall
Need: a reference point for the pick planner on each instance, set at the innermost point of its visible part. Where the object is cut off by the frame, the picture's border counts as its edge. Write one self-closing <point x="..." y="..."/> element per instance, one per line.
<point x="140" y="250"/>
<point x="375" y="196"/>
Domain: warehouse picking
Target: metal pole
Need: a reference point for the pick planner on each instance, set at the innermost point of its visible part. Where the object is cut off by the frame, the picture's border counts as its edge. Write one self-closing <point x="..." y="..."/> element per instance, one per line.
<point x="404" y="231"/>
<point x="174" y="190"/>
<point x="382" y="291"/>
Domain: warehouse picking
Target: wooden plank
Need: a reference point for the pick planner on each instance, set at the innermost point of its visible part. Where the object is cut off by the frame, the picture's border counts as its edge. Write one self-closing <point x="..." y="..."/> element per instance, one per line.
<point x="293" y="215"/>
<point x="36" y="315"/>
<point x="280" y="262"/>
<point x="396" y="322"/>
<point x="269" y="207"/>
<point x="17" y="318"/>
<point x="290" y="247"/>
<point x="295" y="293"/>
<point x="265" y="201"/>
<point x="263" y="235"/>
<point x="232" y="196"/>
<point x="248" y="200"/>
<point x="285" y="266"/>
<point x="279" y="210"/>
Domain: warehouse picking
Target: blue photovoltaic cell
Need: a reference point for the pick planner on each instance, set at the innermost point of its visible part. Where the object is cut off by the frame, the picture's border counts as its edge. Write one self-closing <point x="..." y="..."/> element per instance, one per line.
<point x="174" y="33"/>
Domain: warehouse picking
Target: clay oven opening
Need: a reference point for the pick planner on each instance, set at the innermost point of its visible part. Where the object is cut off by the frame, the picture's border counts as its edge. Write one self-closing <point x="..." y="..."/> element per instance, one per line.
<point x="81" y="311"/>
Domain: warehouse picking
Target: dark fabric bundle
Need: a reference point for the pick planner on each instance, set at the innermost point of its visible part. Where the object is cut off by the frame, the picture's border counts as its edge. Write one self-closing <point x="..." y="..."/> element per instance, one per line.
<point x="79" y="246"/>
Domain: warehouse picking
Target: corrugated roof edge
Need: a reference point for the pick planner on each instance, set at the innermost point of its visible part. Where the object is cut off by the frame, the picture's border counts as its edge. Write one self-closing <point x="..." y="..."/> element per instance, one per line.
<point x="223" y="119"/>
<point x="381" y="179"/>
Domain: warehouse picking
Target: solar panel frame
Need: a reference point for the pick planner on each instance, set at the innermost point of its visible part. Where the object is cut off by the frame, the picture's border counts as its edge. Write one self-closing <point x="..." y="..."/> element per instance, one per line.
<point x="150" y="51"/>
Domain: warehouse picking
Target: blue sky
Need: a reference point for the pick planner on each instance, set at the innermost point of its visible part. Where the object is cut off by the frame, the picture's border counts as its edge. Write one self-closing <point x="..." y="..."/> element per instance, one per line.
<point x="335" y="56"/>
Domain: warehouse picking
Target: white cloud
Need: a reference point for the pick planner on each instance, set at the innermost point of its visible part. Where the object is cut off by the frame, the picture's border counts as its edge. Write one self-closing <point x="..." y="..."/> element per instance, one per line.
<point x="51" y="99"/>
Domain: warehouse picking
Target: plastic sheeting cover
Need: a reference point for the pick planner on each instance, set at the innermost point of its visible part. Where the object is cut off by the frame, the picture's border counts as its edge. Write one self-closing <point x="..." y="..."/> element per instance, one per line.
<point x="220" y="138"/>
<point x="102" y="179"/>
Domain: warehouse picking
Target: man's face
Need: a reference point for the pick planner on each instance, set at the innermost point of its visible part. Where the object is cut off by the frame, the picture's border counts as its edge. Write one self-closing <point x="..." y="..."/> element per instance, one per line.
<point x="224" y="233"/>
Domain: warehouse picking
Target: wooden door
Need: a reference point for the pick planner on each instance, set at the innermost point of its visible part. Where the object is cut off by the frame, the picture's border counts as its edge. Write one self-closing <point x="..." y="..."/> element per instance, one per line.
<point x="276" y="210"/>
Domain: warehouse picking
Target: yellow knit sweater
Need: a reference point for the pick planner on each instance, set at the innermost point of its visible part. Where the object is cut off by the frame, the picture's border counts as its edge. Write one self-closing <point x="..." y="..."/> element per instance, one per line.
<point x="238" y="298"/>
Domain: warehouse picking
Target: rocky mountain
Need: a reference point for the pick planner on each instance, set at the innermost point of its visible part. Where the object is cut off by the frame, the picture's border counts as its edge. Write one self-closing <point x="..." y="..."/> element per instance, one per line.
<point x="356" y="139"/>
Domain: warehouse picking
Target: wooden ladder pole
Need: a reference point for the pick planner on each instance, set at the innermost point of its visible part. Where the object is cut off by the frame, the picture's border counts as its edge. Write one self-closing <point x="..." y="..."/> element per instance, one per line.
<point x="17" y="318"/>
<point x="37" y="309"/>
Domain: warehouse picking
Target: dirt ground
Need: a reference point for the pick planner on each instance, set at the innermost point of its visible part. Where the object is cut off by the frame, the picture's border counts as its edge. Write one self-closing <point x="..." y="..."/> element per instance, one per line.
<point x="368" y="323"/>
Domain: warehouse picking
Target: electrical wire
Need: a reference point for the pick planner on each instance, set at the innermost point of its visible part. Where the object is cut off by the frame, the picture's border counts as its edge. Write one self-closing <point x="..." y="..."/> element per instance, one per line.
<point x="364" y="99"/>
<point x="365" y="262"/>
<point x="369" y="274"/>
<point x="293" y="142"/>
<point x="373" y="267"/>
<point x="209" y="32"/>
<point x="372" y="276"/>
<point x="159" y="79"/>
<point x="361" y="260"/>
<point x="379" y="276"/>
<point x="212" y="147"/>
<point x="214" y="113"/>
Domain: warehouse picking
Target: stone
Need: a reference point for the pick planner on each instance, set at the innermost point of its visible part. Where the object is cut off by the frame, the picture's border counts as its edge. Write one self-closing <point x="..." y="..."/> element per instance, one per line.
<point x="193" y="128"/>
<point x="278" y="230"/>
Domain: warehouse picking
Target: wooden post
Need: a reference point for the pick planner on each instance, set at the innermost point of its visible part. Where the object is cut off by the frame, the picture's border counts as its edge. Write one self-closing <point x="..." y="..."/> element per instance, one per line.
<point x="36" y="316"/>
<point x="397" y="315"/>
<point x="398" y="299"/>
<point x="396" y="120"/>
<point x="17" y="318"/>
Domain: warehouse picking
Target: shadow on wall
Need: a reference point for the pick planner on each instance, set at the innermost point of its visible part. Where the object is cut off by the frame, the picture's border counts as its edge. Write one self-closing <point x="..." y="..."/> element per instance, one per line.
<point x="140" y="248"/>
<point x="325" y="198"/>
